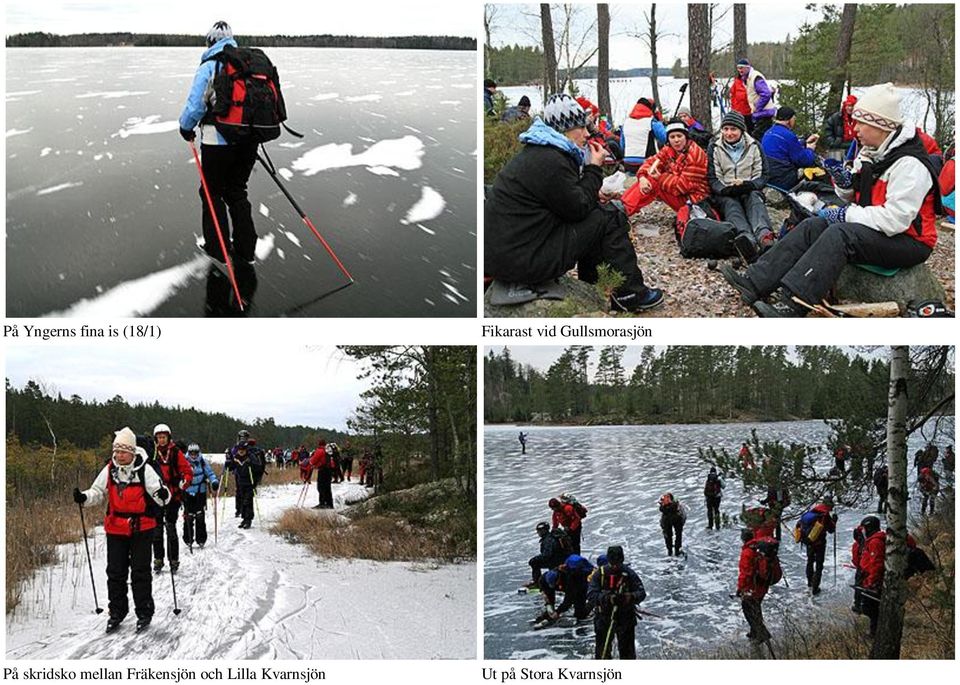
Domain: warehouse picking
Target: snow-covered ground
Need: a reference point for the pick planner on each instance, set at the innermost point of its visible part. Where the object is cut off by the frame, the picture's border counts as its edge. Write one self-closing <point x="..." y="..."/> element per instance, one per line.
<point x="254" y="596"/>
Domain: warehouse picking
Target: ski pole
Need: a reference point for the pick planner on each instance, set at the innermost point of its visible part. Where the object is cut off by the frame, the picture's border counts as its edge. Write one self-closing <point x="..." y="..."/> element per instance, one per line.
<point x="226" y="479"/>
<point x="683" y="90"/>
<point x="641" y="612"/>
<point x="303" y="215"/>
<point x="216" y="502"/>
<point x="606" y="643"/>
<point x="834" y="559"/>
<point x="86" y="544"/>
<point x="216" y="224"/>
<point x="256" y="497"/>
<point x="173" y="585"/>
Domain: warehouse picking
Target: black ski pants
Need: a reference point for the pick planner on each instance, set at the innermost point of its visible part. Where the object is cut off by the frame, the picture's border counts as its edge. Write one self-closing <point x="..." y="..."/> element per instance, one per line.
<point x="245" y="495"/>
<point x="129" y="555"/>
<point x="809" y="259"/>
<point x="227" y="169"/>
<point x="623" y="633"/>
<point x="603" y="237"/>
<point x="167" y="526"/>
<point x="195" y="518"/>
<point x="746" y="212"/>
<point x="753" y="612"/>
<point x="324" y="491"/>
<point x="713" y="512"/>
<point x="672" y="534"/>
<point x="870" y="604"/>
<point x="816" y="553"/>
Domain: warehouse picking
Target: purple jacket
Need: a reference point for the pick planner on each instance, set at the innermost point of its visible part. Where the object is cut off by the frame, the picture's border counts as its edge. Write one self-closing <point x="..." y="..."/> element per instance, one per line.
<point x="764" y="94"/>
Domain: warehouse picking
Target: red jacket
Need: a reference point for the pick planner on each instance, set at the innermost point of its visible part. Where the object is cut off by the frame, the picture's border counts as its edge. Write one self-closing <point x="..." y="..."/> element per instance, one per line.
<point x="681" y="173"/>
<point x="871" y="561"/>
<point x="124" y="506"/>
<point x="738" y="97"/>
<point x="748" y="584"/>
<point x="173" y="478"/>
<point x="318" y="459"/>
<point x="929" y="142"/>
<point x="567" y="517"/>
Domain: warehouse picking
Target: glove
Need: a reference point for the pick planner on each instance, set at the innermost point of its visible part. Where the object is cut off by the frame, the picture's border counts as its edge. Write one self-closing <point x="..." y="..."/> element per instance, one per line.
<point x="215" y="486"/>
<point x="78" y="496"/>
<point x="833" y="215"/>
<point x="188" y="135"/>
<point x="833" y="517"/>
<point x="842" y="178"/>
<point x="163" y="494"/>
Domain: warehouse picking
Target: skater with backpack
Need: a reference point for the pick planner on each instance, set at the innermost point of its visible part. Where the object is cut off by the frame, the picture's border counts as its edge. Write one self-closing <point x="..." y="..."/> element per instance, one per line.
<point x="195" y="497"/>
<point x="135" y="497"/>
<point x="929" y="483"/>
<point x="759" y="569"/>
<point x="672" y="518"/>
<point x="881" y="481"/>
<point x="554" y="548"/>
<point x="175" y="473"/>
<point x="614" y="592"/>
<point x="811" y="531"/>
<point x="235" y="98"/>
<point x="713" y="493"/>
<point x="568" y="514"/>
<point x="247" y="473"/>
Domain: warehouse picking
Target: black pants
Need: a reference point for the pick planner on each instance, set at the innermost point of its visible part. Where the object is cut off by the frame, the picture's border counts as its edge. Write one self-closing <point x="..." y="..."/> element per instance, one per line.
<point x="623" y="634"/>
<point x="927" y="497"/>
<point x="815" y="557"/>
<point x="168" y="527"/>
<point x="747" y="212"/>
<point x="245" y="495"/>
<point x="761" y="126"/>
<point x="348" y="468"/>
<point x="195" y="518"/>
<point x="603" y="237"/>
<point x="882" y="505"/>
<point x="809" y="259"/>
<point x="575" y="539"/>
<point x="672" y="535"/>
<point x="129" y="555"/>
<point x="713" y="512"/>
<point x="841" y="465"/>
<point x="523" y="448"/>
<point x="324" y="491"/>
<point x="227" y="169"/>
<point x="540" y="562"/>
<point x="753" y="612"/>
<point x="871" y="609"/>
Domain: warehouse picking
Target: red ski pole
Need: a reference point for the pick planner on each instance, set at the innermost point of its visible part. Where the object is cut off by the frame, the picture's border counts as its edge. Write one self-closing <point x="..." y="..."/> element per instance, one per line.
<point x="216" y="224"/>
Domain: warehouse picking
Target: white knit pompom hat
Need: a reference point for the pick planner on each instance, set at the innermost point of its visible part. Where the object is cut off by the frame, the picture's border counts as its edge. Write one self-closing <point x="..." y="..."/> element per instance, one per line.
<point x="880" y="107"/>
<point x="563" y="113"/>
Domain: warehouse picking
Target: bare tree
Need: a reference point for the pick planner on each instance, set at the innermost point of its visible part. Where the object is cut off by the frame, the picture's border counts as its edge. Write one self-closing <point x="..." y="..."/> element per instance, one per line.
<point x="549" y="52"/>
<point x="739" y="30"/>
<point x="650" y="37"/>
<point x="489" y="21"/>
<point x="603" y="57"/>
<point x="698" y="32"/>
<point x="574" y="47"/>
<point x="841" y="65"/>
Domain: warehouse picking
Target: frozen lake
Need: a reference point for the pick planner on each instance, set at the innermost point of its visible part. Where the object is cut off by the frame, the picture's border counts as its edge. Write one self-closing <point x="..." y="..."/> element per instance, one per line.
<point x="103" y="212"/>
<point x="619" y="473"/>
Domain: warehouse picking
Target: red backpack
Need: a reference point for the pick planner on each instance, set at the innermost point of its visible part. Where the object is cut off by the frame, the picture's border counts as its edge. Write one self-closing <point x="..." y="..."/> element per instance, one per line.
<point x="248" y="103"/>
<point x="769" y="571"/>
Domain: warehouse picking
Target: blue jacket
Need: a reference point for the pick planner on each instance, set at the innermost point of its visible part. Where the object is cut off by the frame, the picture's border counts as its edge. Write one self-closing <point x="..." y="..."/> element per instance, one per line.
<point x="786" y="154"/>
<point x="196" y="105"/>
<point x="202" y="473"/>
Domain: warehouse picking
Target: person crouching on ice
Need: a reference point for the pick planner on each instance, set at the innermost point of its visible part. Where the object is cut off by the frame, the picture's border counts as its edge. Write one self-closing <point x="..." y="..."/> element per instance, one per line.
<point x="135" y="497"/>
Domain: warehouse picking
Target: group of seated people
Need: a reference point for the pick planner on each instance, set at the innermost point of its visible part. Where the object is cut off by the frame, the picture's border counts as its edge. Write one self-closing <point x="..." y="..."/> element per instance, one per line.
<point x="546" y="214"/>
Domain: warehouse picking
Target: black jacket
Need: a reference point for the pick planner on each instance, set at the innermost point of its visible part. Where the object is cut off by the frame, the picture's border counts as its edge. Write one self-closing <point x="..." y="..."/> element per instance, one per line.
<point x="538" y="193"/>
<point x="602" y="585"/>
<point x="833" y="132"/>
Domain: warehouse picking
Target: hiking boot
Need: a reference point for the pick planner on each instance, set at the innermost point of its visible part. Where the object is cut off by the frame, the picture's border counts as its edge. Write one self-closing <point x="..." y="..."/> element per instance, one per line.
<point x="743" y="285"/>
<point x="631" y="301"/>
<point x="815" y="591"/>
<point x="767" y="240"/>
<point x="782" y="307"/>
<point x="174" y="566"/>
<point x="236" y="515"/>
<point x="746" y="247"/>
<point x="157" y="565"/>
<point x="200" y="545"/>
<point x="143" y="623"/>
<point x="244" y="524"/>
<point x="113" y="624"/>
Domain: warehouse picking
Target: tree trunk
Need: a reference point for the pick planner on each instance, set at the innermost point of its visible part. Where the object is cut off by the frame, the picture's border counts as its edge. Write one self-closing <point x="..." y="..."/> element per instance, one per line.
<point x="654" y="72"/>
<point x="549" y="53"/>
<point x="739" y="31"/>
<point x="698" y="20"/>
<point x="488" y="13"/>
<point x="603" y="58"/>
<point x="841" y="65"/>
<point x="886" y="644"/>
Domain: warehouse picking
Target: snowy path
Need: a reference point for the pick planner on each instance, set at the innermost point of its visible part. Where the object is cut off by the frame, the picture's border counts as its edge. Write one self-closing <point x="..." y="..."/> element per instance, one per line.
<point x="255" y="596"/>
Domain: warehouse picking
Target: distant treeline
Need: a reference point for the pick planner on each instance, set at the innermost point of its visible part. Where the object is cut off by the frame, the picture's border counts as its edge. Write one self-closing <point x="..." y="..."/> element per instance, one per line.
<point x="39" y="39"/>
<point x="35" y="416"/>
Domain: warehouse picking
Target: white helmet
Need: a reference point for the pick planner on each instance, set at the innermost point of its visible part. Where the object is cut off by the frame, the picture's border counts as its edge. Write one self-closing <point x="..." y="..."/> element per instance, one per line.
<point x="161" y="428"/>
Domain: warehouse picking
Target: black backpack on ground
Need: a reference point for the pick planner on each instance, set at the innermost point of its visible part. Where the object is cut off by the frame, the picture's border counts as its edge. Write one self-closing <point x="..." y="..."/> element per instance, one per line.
<point x="701" y="234"/>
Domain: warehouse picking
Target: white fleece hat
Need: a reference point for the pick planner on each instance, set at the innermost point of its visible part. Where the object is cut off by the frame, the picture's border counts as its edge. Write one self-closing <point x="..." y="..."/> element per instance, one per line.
<point x="125" y="440"/>
<point x="879" y="107"/>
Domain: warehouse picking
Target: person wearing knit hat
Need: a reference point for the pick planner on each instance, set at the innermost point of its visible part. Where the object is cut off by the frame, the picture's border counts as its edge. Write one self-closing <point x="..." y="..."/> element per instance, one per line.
<point x="737" y="173"/>
<point x="838" y="131"/>
<point x="641" y="133"/>
<point x="542" y="215"/>
<point x="614" y="591"/>
<point x="518" y="112"/>
<point x="134" y="496"/>
<point x="890" y="221"/>
<point x="676" y="175"/>
<point x="489" y="88"/>
<point x="759" y="96"/>
<point x="787" y="155"/>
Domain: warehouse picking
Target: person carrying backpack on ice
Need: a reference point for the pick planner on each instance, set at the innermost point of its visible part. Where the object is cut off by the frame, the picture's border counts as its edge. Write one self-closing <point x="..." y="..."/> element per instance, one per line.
<point x="195" y="497"/>
<point x="321" y="461"/>
<point x="929" y="483"/>
<point x="881" y="481"/>
<point x="713" y="492"/>
<point x="672" y="518"/>
<point x="552" y="552"/>
<point x="135" y="496"/>
<point x="614" y="592"/>
<point x="176" y="473"/>
<point x="247" y="473"/>
<point x="226" y="164"/>
<point x="759" y="568"/>
<point x="811" y="530"/>
<point x="869" y="559"/>
<point x="566" y="515"/>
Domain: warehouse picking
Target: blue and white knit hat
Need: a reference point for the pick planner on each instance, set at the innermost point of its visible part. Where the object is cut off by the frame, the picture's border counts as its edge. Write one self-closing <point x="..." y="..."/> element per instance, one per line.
<point x="218" y="32"/>
<point x="563" y="113"/>
<point x="880" y="107"/>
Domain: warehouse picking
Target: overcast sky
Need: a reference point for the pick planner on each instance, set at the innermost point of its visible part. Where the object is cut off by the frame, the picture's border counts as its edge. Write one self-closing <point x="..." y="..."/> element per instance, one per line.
<point x="766" y="21"/>
<point x="314" y="386"/>
<point x="259" y="18"/>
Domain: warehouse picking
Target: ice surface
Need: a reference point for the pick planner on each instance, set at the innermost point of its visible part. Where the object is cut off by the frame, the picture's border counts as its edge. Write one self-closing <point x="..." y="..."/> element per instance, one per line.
<point x="59" y="187"/>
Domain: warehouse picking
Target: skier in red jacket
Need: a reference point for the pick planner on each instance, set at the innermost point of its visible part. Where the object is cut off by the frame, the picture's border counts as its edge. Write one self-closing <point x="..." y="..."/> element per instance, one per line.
<point x="176" y="473"/>
<point x="869" y="560"/>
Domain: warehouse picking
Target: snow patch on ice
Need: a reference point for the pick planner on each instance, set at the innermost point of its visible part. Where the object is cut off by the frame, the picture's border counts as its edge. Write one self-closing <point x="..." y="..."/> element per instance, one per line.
<point x="264" y="247"/>
<point x="17" y="131"/>
<point x="406" y="93"/>
<point x="292" y="238"/>
<point x="264" y="210"/>
<point x="372" y="97"/>
<point x="350" y="200"/>
<point x="454" y="291"/>
<point x="112" y="94"/>
<point x="286" y="173"/>
<point x="46" y="151"/>
<point x="429" y="206"/>
<point x="139" y="126"/>
<point x="382" y="171"/>
<point x="325" y="96"/>
<point x="401" y="153"/>
<point x="292" y="146"/>
<point x="58" y="188"/>
<point x="450" y="102"/>
<point x="425" y="229"/>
